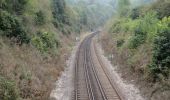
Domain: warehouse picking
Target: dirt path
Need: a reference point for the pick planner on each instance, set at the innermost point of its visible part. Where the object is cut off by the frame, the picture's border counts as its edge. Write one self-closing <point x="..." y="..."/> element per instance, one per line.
<point x="64" y="85"/>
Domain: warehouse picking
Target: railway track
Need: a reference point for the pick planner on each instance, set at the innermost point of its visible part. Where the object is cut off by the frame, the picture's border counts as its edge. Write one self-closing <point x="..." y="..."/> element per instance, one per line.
<point x="92" y="82"/>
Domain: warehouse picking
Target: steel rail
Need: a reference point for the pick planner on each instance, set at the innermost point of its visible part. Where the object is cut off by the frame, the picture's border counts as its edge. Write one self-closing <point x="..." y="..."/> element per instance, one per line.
<point x="88" y="83"/>
<point x="107" y="75"/>
<point x="96" y="75"/>
<point x="90" y="73"/>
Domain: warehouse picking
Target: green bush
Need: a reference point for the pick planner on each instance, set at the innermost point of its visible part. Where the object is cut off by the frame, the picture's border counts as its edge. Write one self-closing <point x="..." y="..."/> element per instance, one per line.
<point x="146" y="29"/>
<point x="135" y="13"/>
<point x="161" y="55"/>
<point x="8" y="90"/>
<point x="40" y="18"/>
<point x="120" y="42"/>
<point x="37" y="42"/>
<point x="59" y="11"/>
<point x="124" y="25"/>
<point x="138" y="38"/>
<point x="12" y="27"/>
<point x="149" y="25"/>
<point x="45" y="41"/>
<point x="163" y="24"/>
<point x="14" y="6"/>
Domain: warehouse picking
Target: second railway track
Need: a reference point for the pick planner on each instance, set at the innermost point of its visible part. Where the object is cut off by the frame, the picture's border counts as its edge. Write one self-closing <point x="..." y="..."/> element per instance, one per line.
<point x="92" y="82"/>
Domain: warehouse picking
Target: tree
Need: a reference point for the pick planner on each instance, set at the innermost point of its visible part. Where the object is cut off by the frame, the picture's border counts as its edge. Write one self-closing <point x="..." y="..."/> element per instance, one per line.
<point x="14" y="6"/>
<point x="59" y="10"/>
<point x="161" y="55"/>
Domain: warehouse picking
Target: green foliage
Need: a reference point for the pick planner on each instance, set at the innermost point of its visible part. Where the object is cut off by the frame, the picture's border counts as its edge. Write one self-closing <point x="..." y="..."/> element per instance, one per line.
<point x="138" y="38"/>
<point x="120" y="42"/>
<point x="163" y="24"/>
<point x="146" y="29"/>
<point x="59" y="13"/>
<point x="124" y="25"/>
<point x="40" y="18"/>
<point x="8" y="90"/>
<point x="135" y="13"/>
<point x="14" y="6"/>
<point x="12" y="28"/>
<point x="161" y="54"/>
<point x="44" y="41"/>
<point x="147" y="26"/>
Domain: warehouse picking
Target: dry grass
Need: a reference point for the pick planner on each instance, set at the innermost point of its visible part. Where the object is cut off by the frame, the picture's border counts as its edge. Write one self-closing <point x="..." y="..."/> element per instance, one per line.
<point x="34" y="73"/>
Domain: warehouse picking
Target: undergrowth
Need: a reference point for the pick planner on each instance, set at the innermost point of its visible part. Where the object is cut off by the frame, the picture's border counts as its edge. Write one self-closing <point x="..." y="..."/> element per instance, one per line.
<point x="148" y="31"/>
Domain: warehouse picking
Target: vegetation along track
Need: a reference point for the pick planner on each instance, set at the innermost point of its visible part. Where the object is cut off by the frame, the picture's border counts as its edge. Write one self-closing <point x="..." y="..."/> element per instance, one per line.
<point x="92" y="81"/>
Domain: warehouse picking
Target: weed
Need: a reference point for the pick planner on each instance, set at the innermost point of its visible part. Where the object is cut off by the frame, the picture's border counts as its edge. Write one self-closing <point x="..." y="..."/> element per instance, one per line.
<point x="8" y="90"/>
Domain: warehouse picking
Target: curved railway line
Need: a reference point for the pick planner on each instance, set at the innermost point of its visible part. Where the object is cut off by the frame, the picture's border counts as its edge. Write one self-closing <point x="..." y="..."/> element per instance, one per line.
<point x="92" y="80"/>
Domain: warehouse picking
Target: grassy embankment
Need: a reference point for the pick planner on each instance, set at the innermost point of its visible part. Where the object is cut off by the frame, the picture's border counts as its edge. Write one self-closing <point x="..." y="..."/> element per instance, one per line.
<point x="139" y="39"/>
<point x="32" y="50"/>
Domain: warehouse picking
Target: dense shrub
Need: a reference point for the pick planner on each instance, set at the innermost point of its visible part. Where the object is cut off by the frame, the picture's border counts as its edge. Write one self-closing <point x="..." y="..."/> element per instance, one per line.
<point x="138" y="38"/>
<point x="59" y="13"/>
<point x="8" y="90"/>
<point x="146" y="29"/>
<point x="40" y="18"/>
<point x="135" y="13"/>
<point x="124" y="25"/>
<point x="45" y="41"/>
<point x="164" y="24"/>
<point x="161" y="50"/>
<point x="120" y="42"/>
<point x="14" y="6"/>
<point x="12" y="27"/>
<point x="149" y="25"/>
<point x="161" y="55"/>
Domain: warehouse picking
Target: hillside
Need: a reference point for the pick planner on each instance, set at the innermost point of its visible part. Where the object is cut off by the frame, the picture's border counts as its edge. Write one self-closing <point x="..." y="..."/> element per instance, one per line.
<point x="137" y="41"/>
<point x="36" y="37"/>
<point x="32" y="49"/>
